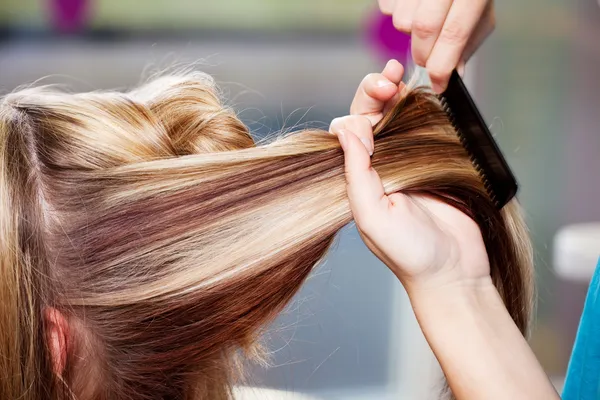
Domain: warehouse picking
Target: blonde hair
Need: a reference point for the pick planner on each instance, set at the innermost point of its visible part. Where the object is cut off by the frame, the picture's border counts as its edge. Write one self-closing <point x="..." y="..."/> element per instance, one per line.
<point x="155" y="224"/>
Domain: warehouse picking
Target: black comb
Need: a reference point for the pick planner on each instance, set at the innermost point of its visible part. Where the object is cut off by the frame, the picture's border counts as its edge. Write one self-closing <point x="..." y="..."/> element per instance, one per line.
<point x="477" y="139"/>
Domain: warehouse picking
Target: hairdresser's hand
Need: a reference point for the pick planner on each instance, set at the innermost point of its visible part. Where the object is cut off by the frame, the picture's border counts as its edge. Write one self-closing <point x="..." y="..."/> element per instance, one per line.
<point x="445" y="33"/>
<point x="426" y="243"/>
<point x="438" y="254"/>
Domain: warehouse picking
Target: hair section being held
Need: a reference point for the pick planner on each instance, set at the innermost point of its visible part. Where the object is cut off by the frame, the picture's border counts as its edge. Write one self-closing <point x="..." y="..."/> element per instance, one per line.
<point x="168" y="240"/>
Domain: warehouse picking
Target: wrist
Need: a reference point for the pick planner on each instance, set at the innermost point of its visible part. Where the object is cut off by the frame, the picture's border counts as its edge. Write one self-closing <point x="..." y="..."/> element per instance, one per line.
<point x="450" y="286"/>
<point x="470" y="296"/>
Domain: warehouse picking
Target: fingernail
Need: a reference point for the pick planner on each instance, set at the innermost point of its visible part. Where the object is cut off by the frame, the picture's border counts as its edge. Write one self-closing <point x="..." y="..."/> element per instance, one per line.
<point x="384" y="83"/>
<point x="341" y="134"/>
<point x="368" y="145"/>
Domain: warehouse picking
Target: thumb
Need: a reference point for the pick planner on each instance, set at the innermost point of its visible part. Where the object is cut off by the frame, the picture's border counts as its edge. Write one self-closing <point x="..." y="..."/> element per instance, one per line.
<point x="366" y="195"/>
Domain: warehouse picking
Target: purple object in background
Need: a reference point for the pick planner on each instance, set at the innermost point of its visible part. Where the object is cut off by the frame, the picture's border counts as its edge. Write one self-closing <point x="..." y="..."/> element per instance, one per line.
<point x="386" y="40"/>
<point x="69" y="16"/>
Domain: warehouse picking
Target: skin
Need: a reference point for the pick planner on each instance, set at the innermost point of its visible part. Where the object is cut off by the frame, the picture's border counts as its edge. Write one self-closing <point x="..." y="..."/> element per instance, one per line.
<point x="57" y="332"/>
<point x="438" y="254"/>
<point x="444" y="33"/>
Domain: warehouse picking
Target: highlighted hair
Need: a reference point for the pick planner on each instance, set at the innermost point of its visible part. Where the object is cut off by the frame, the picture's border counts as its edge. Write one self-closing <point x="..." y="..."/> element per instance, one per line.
<point x="152" y="221"/>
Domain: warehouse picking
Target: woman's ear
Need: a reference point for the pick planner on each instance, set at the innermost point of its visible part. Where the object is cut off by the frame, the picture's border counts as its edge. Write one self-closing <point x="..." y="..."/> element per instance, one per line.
<point x="57" y="334"/>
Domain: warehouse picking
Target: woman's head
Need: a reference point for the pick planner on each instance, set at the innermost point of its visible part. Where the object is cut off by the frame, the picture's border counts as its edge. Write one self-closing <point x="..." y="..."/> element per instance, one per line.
<point x="146" y="240"/>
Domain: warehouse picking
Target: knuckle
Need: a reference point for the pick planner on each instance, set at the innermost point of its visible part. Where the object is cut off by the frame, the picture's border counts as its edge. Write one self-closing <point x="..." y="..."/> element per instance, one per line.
<point x="359" y="124"/>
<point x="454" y="33"/>
<point x="336" y="124"/>
<point x="363" y="122"/>
<point x="370" y="77"/>
<point x="353" y="119"/>
<point x="386" y="6"/>
<point x="424" y="29"/>
<point x="438" y="74"/>
<point x="418" y="57"/>
<point x="368" y="82"/>
<point x="401" y="23"/>
<point x="348" y="120"/>
<point x="364" y="128"/>
<point x="345" y="121"/>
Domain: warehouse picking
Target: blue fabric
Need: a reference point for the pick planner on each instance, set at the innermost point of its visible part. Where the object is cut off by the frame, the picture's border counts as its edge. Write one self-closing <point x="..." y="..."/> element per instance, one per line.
<point x="583" y="375"/>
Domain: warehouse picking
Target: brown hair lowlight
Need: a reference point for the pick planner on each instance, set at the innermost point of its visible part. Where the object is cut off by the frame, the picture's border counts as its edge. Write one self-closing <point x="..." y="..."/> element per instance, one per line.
<point x="169" y="240"/>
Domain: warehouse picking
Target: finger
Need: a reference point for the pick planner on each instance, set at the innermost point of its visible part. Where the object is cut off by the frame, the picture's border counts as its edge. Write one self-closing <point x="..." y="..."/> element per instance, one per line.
<point x="427" y="24"/>
<point x="375" y="90"/>
<point x="371" y="95"/>
<point x="401" y="86"/>
<point x="393" y="71"/>
<point x="386" y="6"/>
<point x="361" y="126"/>
<point x="366" y="196"/>
<point x="404" y="11"/>
<point x="462" y="19"/>
<point x="482" y="31"/>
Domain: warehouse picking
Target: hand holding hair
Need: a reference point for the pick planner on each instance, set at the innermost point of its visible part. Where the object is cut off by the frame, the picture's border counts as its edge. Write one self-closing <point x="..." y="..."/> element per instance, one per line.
<point x="439" y="255"/>
<point x="428" y="244"/>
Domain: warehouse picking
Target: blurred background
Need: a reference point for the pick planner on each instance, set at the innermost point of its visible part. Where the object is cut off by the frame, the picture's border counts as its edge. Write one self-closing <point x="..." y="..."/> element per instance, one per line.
<point x="350" y="333"/>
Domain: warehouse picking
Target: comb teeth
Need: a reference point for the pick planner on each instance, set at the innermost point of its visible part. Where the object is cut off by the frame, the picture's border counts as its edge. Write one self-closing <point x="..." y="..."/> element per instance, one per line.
<point x="477" y="140"/>
<point x="464" y="142"/>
